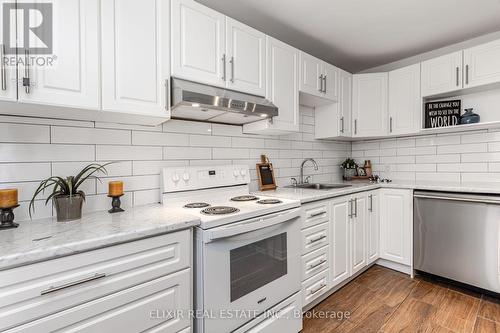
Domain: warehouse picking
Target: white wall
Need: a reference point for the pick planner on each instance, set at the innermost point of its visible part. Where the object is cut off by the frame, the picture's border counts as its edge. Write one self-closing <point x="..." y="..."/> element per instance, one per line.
<point x="33" y="149"/>
<point x="461" y="157"/>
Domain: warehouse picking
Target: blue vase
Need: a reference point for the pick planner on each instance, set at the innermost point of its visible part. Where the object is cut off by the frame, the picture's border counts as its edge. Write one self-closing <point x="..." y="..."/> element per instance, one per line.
<point x="469" y="117"/>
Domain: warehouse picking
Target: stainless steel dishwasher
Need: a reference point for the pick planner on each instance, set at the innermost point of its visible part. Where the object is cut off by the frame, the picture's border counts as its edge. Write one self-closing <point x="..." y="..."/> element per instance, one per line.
<point x="456" y="236"/>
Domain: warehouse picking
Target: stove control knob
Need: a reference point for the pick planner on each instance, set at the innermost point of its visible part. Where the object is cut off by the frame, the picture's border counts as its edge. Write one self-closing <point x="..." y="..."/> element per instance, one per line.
<point x="185" y="176"/>
<point x="175" y="178"/>
<point x="243" y="172"/>
<point x="236" y="173"/>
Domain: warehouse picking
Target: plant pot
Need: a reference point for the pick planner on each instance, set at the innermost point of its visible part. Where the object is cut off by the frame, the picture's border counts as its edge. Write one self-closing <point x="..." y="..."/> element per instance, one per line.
<point x="68" y="208"/>
<point x="349" y="173"/>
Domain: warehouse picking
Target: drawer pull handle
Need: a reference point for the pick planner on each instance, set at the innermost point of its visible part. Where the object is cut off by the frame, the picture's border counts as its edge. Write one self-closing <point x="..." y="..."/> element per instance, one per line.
<point x="322" y="286"/>
<point x="316" y="239"/>
<point x="317" y="214"/>
<point x="318" y="264"/>
<point x="72" y="284"/>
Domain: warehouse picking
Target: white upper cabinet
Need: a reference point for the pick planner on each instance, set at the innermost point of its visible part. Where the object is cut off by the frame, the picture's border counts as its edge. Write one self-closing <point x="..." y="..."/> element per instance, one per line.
<point x="198" y="43"/>
<point x="345" y="104"/>
<point x="482" y="64"/>
<point x="135" y="62"/>
<point x="246" y="56"/>
<point x="311" y="76"/>
<point x="330" y="81"/>
<point x="405" y="103"/>
<point x="373" y="227"/>
<point x="339" y="245"/>
<point x="333" y="120"/>
<point x="369" y="109"/>
<point x="442" y="74"/>
<point x="73" y="80"/>
<point x="8" y="84"/>
<point x="282" y="89"/>
<point x="396" y="223"/>
<point x="318" y="78"/>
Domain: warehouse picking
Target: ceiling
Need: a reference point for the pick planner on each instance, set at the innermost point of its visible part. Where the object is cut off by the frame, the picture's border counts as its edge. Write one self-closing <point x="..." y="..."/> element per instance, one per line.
<point x="359" y="34"/>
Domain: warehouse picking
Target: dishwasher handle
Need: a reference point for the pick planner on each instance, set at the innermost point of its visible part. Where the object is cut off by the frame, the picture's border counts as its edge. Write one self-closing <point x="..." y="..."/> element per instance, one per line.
<point x="463" y="197"/>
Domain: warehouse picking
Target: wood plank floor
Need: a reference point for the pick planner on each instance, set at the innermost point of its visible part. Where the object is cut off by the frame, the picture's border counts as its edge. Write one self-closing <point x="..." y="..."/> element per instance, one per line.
<point x="382" y="300"/>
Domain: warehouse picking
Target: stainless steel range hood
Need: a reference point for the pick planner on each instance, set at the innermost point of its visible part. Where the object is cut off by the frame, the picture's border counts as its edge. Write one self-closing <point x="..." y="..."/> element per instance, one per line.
<point x="196" y="101"/>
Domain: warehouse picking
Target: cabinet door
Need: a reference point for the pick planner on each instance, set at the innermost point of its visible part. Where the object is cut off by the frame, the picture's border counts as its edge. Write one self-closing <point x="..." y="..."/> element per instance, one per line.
<point x="136" y="62"/>
<point x="73" y="78"/>
<point x="282" y="88"/>
<point x="198" y="43"/>
<point x="246" y="52"/>
<point x="405" y="103"/>
<point x="345" y="103"/>
<point x="340" y="210"/>
<point x="358" y="234"/>
<point x="442" y="74"/>
<point x="310" y="74"/>
<point x="396" y="219"/>
<point x="373" y="227"/>
<point x="370" y="104"/>
<point x="331" y="81"/>
<point x="8" y="83"/>
<point x="482" y="64"/>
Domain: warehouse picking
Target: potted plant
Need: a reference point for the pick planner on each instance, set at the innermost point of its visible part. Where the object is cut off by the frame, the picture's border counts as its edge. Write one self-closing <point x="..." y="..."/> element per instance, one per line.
<point x="67" y="197"/>
<point x="350" y="166"/>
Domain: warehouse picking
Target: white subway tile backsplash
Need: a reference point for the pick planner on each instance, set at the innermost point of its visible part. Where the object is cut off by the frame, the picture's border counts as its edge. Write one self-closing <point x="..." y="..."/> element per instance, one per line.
<point x="446" y="158"/>
<point x="159" y="139"/>
<point x="230" y="153"/>
<point x="123" y="153"/>
<point x="81" y="135"/>
<point x="463" y="167"/>
<point x="463" y="148"/>
<point x="146" y="197"/>
<point x="438" y="177"/>
<point x="64" y="169"/>
<point x="45" y="152"/>
<point x="132" y="183"/>
<point x="155" y="167"/>
<point x="209" y="141"/>
<point x="247" y="143"/>
<point x="24" y="133"/>
<point x="186" y="153"/>
<point x="22" y="172"/>
<point x="481" y="157"/>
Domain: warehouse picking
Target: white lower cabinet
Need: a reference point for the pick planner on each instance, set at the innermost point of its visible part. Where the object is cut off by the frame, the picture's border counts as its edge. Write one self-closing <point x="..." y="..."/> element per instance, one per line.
<point x="114" y="288"/>
<point x="340" y="268"/>
<point x="396" y="221"/>
<point x="358" y="232"/>
<point x="373" y="227"/>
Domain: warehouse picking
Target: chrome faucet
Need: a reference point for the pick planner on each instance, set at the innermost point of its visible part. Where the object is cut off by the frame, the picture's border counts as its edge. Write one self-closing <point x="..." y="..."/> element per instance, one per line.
<point x="301" y="179"/>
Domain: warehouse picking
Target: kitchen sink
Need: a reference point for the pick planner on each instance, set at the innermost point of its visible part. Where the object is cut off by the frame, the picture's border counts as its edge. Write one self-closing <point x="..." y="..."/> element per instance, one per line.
<point x="319" y="186"/>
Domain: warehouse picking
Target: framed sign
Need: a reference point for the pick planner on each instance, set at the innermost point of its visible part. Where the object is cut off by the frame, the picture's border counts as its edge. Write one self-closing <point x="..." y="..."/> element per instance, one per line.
<point x="265" y="174"/>
<point x="442" y="113"/>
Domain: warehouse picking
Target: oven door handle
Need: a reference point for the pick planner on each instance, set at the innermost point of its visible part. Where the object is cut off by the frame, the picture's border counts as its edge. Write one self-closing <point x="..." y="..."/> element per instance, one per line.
<point x="235" y="229"/>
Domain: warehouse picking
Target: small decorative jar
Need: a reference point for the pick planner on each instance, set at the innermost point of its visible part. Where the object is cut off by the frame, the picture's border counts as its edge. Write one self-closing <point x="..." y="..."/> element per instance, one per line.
<point x="469" y="117"/>
<point x="349" y="173"/>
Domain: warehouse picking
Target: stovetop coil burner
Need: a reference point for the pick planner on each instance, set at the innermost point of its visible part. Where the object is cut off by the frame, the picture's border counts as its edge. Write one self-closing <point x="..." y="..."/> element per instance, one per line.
<point x="196" y="205"/>
<point x="245" y="198"/>
<point x="219" y="210"/>
<point x="269" y="201"/>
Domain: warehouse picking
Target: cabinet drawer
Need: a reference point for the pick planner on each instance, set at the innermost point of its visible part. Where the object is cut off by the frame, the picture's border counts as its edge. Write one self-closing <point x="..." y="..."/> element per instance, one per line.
<point x="315" y="237"/>
<point x="284" y="317"/>
<point x="136" y="309"/>
<point x="315" y="214"/>
<point x="314" y="262"/>
<point x="315" y="287"/>
<point x="34" y="291"/>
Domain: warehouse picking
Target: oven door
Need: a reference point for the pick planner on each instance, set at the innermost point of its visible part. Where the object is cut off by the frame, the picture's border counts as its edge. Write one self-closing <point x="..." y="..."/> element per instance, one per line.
<point x="249" y="267"/>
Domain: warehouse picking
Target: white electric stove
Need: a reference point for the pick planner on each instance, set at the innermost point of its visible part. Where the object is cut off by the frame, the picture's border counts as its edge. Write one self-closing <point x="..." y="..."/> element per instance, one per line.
<point x="247" y="248"/>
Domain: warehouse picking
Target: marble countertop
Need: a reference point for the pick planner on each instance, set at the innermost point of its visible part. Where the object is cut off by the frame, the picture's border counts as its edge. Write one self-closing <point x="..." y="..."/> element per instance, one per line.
<point x="310" y="195"/>
<point x="46" y="239"/>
